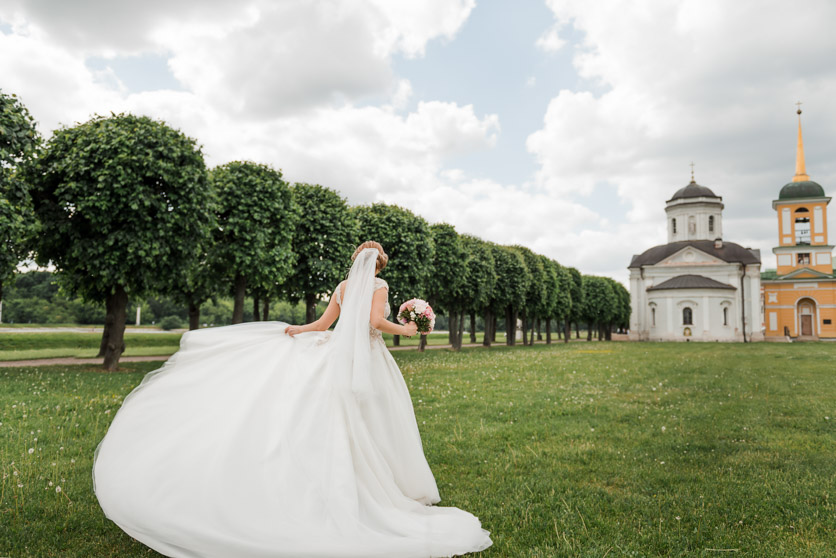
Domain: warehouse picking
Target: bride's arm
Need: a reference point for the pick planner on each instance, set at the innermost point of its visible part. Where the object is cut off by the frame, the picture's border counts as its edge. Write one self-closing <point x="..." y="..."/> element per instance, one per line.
<point x="378" y="321"/>
<point x="324" y="322"/>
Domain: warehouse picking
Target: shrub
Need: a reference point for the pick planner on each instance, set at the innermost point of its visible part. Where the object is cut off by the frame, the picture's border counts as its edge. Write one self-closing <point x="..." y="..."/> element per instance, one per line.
<point x="171" y="322"/>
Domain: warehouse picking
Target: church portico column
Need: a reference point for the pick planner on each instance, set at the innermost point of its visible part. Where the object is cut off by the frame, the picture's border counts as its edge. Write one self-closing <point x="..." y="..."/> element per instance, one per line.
<point x="706" y="318"/>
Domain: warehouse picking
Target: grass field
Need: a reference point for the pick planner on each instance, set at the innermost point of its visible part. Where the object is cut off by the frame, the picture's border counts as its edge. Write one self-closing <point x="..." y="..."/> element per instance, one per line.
<point x="586" y="449"/>
<point x="26" y="345"/>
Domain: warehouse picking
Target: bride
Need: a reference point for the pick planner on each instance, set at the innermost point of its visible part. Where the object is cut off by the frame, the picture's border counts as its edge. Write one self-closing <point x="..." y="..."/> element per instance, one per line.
<point x="263" y="440"/>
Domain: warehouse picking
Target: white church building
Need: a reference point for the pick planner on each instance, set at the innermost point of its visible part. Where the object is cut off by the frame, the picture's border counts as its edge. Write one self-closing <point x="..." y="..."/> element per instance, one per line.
<point x="697" y="287"/>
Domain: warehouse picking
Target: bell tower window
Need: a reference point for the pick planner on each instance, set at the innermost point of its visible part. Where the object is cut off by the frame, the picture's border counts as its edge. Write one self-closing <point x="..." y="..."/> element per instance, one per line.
<point x="673" y="225"/>
<point x="711" y="223"/>
<point x="802" y="226"/>
<point x="803" y="259"/>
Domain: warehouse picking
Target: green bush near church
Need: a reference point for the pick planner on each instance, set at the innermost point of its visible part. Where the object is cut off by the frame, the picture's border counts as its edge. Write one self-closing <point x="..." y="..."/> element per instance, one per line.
<point x="585" y="449"/>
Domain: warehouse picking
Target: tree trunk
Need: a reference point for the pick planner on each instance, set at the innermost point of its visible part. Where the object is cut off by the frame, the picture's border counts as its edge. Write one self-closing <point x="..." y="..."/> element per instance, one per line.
<point x="256" y="309"/>
<point x="567" y="331"/>
<point x="549" y="331"/>
<point x="460" y="336"/>
<point x="577" y="330"/>
<point x="194" y="316"/>
<point x="422" y="342"/>
<point x="116" y="306"/>
<point x="452" y="327"/>
<point x="238" y="305"/>
<point x="539" y="334"/>
<point x="486" y="339"/>
<point x="103" y="344"/>
<point x="265" y="309"/>
<point x="589" y="332"/>
<point x="473" y="327"/>
<point x="310" y="308"/>
<point x="609" y="332"/>
<point x="524" y="330"/>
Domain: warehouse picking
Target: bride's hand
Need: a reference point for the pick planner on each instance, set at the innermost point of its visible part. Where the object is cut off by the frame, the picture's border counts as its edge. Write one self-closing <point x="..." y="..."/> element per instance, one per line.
<point x="411" y="329"/>
<point x="292" y="330"/>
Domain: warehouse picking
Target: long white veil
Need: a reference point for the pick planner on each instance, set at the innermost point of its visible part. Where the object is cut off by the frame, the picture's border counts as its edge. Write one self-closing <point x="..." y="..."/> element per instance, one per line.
<point x="350" y="342"/>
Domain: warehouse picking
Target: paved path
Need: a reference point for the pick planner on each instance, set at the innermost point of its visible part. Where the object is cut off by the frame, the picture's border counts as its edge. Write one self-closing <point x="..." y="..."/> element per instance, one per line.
<point x="73" y="360"/>
<point x="90" y="329"/>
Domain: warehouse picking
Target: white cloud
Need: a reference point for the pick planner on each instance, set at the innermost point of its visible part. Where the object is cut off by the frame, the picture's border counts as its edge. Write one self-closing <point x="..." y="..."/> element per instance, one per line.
<point x="550" y="41"/>
<point x="257" y="58"/>
<point x="708" y="81"/>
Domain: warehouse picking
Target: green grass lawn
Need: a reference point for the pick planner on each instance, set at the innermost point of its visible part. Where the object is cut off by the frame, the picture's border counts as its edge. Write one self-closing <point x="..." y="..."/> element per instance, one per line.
<point x="586" y="449"/>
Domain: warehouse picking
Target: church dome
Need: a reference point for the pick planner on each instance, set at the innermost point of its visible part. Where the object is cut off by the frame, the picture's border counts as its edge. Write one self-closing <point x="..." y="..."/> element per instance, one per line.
<point x="693" y="190"/>
<point x="801" y="189"/>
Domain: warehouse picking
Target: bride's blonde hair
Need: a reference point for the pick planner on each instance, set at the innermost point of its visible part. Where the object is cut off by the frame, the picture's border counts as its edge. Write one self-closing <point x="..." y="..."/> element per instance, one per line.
<point x="382" y="258"/>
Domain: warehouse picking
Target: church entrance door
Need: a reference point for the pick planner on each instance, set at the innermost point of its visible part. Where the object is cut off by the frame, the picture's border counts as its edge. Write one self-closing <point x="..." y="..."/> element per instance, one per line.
<point x="806" y="317"/>
<point x="807" y="326"/>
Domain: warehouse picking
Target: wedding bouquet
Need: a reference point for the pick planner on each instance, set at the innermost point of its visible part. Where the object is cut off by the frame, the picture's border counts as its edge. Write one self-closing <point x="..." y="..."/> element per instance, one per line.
<point x="418" y="311"/>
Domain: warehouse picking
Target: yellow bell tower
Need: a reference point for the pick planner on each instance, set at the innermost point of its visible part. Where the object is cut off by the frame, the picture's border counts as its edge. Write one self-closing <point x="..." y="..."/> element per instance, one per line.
<point x="803" y="249"/>
<point x="799" y="299"/>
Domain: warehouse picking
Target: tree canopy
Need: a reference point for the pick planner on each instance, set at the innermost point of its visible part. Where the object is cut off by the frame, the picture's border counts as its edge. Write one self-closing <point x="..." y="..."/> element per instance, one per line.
<point x="323" y="241"/>
<point x="19" y="141"/>
<point x="408" y="242"/>
<point x="256" y="220"/>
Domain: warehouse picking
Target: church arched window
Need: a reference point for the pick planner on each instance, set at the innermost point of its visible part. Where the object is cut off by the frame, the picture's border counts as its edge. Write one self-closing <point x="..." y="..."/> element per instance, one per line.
<point x="725" y="316"/>
<point x="673" y="224"/>
<point x="653" y="317"/>
<point x="687" y="316"/>
<point x="711" y="223"/>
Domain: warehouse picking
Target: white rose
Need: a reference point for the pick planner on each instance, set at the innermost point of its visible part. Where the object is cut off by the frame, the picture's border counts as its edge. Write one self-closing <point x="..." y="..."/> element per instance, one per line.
<point x="420" y="307"/>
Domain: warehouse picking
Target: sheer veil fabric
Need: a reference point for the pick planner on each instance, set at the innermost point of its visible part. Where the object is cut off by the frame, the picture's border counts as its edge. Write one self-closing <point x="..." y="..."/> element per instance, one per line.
<point x="249" y="443"/>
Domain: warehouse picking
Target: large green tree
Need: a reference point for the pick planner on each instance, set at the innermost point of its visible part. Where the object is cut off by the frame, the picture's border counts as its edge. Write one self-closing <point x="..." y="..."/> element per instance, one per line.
<point x="576" y="293"/>
<point x="121" y="208"/>
<point x="256" y="219"/>
<point x="446" y="283"/>
<point x="199" y="281"/>
<point x="19" y="141"/>
<point x="599" y="304"/>
<point x="323" y="241"/>
<point x="536" y="293"/>
<point x="512" y="280"/>
<point x="408" y="242"/>
<point x="480" y="281"/>
<point x="621" y="307"/>
<point x="561" y="309"/>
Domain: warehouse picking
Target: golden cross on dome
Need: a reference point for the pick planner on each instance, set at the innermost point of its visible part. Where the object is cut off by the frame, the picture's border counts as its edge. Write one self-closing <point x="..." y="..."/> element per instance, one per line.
<point x="798" y="104"/>
<point x="692" y="171"/>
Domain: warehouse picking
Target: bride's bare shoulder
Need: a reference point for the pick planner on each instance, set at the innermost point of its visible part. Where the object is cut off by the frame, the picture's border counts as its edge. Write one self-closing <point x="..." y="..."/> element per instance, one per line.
<point x="339" y="292"/>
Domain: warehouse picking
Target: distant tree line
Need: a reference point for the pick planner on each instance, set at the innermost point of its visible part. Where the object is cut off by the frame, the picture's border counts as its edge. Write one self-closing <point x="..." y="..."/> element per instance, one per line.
<point x="124" y="208"/>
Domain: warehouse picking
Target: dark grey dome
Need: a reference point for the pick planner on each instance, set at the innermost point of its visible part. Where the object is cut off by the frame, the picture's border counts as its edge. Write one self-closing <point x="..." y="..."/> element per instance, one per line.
<point x="803" y="189"/>
<point x="694" y="190"/>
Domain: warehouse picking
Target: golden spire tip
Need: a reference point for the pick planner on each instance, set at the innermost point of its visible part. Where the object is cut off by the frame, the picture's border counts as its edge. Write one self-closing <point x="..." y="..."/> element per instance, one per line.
<point x="800" y="171"/>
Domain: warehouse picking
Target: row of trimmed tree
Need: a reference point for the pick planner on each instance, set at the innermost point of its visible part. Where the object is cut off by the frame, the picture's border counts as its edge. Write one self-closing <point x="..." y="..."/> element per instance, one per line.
<point x="125" y="206"/>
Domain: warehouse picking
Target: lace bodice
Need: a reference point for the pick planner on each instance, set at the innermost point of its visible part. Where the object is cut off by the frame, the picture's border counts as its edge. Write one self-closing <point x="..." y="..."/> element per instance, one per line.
<point x="378" y="284"/>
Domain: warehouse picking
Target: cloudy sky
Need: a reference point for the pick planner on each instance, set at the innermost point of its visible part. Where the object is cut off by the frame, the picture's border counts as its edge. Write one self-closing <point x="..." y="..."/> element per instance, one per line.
<point x="563" y="125"/>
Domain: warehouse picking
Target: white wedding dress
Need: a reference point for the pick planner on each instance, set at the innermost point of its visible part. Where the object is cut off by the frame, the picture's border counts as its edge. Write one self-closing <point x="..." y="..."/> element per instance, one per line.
<point x="249" y="443"/>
